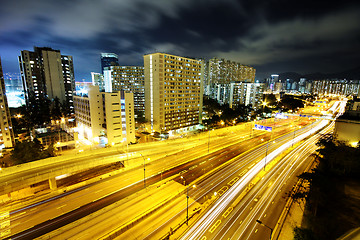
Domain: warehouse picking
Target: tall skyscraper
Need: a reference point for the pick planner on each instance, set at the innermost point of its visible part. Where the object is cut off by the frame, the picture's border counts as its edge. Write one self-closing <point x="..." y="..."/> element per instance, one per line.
<point x="48" y="73"/>
<point x="6" y="132"/>
<point x="129" y="79"/>
<point x="173" y="92"/>
<point x="108" y="59"/>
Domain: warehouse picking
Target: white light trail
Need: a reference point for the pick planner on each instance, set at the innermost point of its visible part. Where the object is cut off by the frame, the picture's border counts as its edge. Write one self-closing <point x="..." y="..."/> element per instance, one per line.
<point x="205" y="221"/>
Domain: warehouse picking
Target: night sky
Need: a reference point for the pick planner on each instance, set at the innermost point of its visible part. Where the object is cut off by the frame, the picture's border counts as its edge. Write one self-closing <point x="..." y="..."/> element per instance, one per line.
<point x="273" y="36"/>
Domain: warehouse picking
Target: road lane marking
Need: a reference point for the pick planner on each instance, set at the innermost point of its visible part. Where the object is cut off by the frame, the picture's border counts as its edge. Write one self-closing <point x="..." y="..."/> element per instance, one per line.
<point x="233" y="181"/>
<point x="61" y="206"/>
<point x="222" y="191"/>
<point x="99" y="191"/>
<point x="243" y="173"/>
<point x="212" y="229"/>
<point x="228" y="211"/>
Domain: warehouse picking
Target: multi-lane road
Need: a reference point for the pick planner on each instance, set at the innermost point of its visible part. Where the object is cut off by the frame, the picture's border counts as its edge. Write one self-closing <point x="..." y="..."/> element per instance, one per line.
<point x="216" y="161"/>
<point x="30" y="217"/>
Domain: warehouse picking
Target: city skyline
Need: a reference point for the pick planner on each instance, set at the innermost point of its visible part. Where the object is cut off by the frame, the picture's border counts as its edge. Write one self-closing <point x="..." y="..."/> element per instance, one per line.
<point x="270" y="36"/>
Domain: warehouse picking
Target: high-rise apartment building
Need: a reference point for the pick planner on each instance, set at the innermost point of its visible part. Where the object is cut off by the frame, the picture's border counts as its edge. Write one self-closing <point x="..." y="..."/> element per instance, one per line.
<point x="6" y="132"/>
<point x="127" y="78"/>
<point x="45" y="72"/>
<point x="173" y="92"/>
<point x="108" y="59"/>
<point x="108" y="115"/>
<point x="337" y="86"/>
<point x="246" y="93"/>
<point x="221" y="72"/>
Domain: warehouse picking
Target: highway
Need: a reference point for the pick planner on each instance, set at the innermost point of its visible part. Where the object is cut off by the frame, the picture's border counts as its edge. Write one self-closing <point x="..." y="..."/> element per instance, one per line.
<point x="30" y="217"/>
<point x="234" y="215"/>
<point x="194" y="171"/>
<point x="190" y="162"/>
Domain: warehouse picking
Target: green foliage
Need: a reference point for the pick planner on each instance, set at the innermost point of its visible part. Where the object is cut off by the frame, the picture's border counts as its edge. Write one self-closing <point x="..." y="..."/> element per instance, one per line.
<point x="140" y="117"/>
<point x="337" y="158"/>
<point x="270" y="99"/>
<point x="37" y="111"/>
<point x="28" y="151"/>
<point x="289" y="102"/>
<point x="303" y="234"/>
<point x="56" y="112"/>
<point x="65" y="109"/>
<point x="211" y="106"/>
<point x="217" y="112"/>
<point x="327" y="204"/>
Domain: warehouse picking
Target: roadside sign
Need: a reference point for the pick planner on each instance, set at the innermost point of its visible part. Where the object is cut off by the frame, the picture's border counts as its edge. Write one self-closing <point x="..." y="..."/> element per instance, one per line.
<point x="261" y="127"/>
<point x="301" y="115"/>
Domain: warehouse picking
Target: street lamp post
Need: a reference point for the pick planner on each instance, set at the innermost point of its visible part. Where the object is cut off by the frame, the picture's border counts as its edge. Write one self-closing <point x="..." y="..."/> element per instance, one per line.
<point x="264" y="104"/>
<point x="262" y="224"/>
<point x="144" y="170"/>
<point x="209" y="142"/>
<point x="294" y="136"/>
<point x="267" y="146"/>
<point x="187" y="200"/>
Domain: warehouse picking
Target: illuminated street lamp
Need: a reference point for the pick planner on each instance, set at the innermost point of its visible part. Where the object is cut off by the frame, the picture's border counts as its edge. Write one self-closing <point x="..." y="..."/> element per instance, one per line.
<point x="262" y="224"/>
<point x="209" y="141"/>
<point x="264" y="104"/>
<point x="187" y="199"/>
<point x="294" y="136"/>
<point x="144" y="169"/>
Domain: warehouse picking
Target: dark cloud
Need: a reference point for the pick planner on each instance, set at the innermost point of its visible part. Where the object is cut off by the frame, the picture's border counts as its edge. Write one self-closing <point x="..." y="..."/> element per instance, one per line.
<point x="272" y="35"/>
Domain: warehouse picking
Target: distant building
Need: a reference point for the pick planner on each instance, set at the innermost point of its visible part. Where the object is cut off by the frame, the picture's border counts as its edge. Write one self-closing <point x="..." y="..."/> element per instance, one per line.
<point x="274" y="78"/>
<point x="339" y="87"/>
<point x="278" y="86"/>
<point x="288" y="84"/>
<point x="302" y="85"/>
<point x="129" y="79"/>
<point x="246" y="93"/>
<point x="14" y="90"/>
<point x="105" y="117"/>
<point x="45" y="72"/>
<point x="108" y="59"/>
<point x="97" y="79"/>
<point x="173" y="92"/>
<point x="220" y="73"/>
<point x="6" y="132"/>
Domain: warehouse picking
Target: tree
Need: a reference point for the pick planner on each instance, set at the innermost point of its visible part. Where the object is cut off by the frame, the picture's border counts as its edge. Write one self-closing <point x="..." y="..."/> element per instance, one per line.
<point x="228" y="114"/>
<point x="270" y="99"/>
<point x="28" y="151"/>
<point x="291" y="103"/>
<point x="37" y="110"/>
<point x="56" y="112"/>
<point x="303" y="234"/>
<point x="66" y="109"/>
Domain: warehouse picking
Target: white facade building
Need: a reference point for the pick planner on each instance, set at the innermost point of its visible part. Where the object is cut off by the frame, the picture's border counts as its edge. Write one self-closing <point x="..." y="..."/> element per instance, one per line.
<point x="105" y="115"/>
